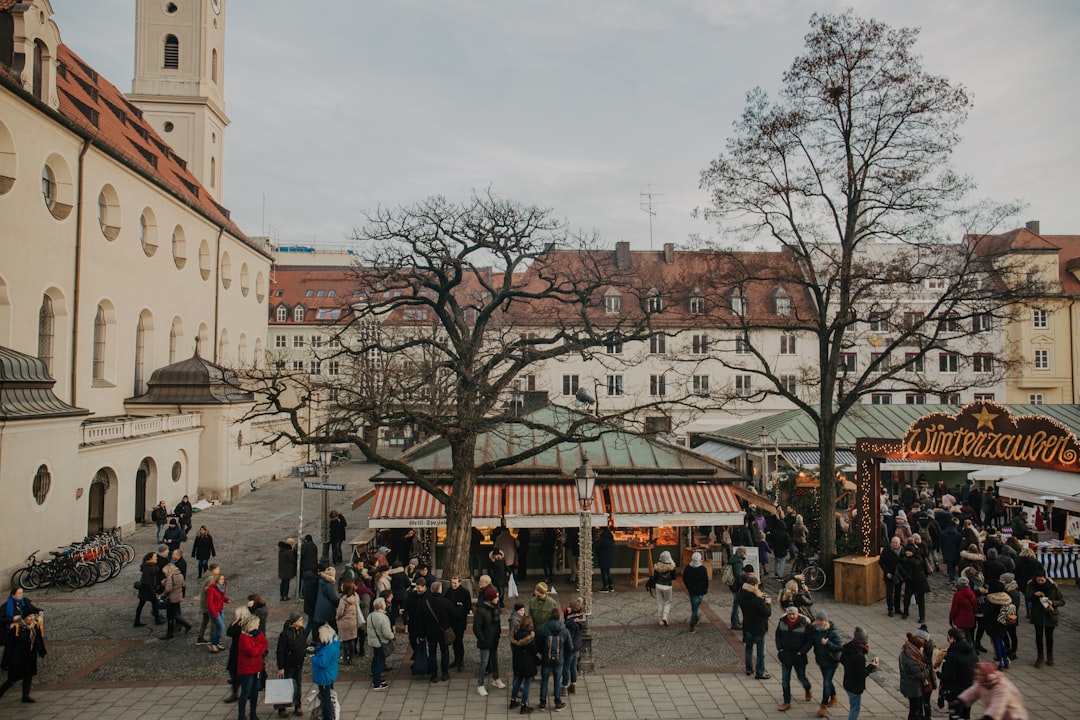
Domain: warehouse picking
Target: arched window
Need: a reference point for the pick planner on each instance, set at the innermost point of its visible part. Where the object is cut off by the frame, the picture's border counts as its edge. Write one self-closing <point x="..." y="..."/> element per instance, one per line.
<point x="213" y="172"/>
<point x="98" y="361"/>
<point x="40" y="59"/>
<point x="172" y="52"/>
<point x="140" y="357"/>
<point x="282" y="314"/>
<point x="176" y="332"/>
<point x="213" y="65"/>
<point x="46" y="333"/>
<point x="298" y="314"/>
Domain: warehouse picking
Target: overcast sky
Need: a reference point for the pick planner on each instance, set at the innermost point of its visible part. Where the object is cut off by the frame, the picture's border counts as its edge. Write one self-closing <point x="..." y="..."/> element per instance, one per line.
<point x="581" y="106"/>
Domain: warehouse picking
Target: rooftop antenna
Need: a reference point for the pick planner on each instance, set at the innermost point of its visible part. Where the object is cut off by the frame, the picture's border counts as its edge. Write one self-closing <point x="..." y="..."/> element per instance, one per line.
<point x="648" y="204"/>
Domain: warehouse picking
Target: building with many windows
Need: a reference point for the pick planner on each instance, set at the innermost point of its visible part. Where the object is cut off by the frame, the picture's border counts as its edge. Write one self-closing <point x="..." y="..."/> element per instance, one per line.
<point x="125" y="287"/>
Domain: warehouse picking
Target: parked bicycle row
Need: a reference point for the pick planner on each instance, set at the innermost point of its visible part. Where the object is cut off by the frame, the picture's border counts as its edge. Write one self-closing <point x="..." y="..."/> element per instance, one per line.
<point x="96" y="559"/>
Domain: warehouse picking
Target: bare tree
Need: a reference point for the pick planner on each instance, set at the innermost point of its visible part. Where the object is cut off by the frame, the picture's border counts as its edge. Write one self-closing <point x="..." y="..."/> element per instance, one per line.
<point x="847" y="174"/>
<point x="452" y="303"/>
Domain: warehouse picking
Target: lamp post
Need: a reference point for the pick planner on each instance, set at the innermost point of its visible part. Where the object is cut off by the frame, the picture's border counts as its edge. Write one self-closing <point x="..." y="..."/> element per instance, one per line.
<point x="763" y="475"/>
<point x="585" y="480"/>
<point x="326" y="454"/>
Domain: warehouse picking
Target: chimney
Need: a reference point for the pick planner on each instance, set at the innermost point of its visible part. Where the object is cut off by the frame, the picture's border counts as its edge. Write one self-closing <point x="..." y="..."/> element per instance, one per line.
<point x="1033" y="226"/>
<point x="622" y="255"/>
<point x="669" y="253"/>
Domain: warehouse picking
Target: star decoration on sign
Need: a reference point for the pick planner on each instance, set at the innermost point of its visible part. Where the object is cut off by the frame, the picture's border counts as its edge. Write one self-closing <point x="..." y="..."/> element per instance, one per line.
<point x="985" y="418"/>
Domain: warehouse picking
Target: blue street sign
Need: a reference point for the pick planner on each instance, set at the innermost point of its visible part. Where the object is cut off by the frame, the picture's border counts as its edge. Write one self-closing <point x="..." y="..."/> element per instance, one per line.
<point x="311" y="485"/>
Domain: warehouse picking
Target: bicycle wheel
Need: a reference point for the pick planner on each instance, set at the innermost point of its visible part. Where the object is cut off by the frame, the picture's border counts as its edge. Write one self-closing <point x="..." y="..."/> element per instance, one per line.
<point x="70" y="579"/>
<point x="815" y="577"/>
<point x="39" y="578"/>
<point x="22" y="578"/>
<point x="128" y="552"/>
<point x="104" y="569"/>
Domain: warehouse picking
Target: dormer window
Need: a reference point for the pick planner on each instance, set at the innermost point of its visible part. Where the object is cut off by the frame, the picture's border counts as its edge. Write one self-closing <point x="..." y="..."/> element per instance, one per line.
<point x="697" y="305"/>
<point x="654" y="303"/>
<point x="782" y="302"/>
<point x="738" y="303"/>
<point x="282" y="313"/>
<point x="613" y="303"/>
<point x="298" y="314"/>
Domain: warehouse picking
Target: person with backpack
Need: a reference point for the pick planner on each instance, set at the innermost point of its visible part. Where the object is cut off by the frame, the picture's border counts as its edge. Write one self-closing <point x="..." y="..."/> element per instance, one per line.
<point x="738" y="558"/>
<point x="555" y="644"/>
<point x="160" y="517"/>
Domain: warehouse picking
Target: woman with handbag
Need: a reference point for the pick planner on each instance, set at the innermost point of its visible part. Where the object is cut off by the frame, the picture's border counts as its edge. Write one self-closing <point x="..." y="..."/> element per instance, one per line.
<point x="250" y="665"/>
<point x="348" y="621"/>
<point x="324" y="669"/>
<point x="381" y="639"/>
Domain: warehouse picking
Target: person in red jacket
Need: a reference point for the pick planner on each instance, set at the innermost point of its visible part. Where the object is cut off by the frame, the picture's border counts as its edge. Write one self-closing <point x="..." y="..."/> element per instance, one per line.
<point x="215" y="606"/>
<point x="964" y="605"/>
<point x="250" y="665"/>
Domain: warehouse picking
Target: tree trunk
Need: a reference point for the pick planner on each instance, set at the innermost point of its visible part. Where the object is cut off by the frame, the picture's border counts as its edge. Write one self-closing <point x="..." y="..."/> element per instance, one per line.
<point x="459" y="512"/>
<point x="827" y="477"/>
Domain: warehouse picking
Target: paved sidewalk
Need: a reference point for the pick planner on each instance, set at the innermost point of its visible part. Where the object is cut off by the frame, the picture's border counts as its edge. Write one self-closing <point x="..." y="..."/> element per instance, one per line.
<point x="101" y="666"/>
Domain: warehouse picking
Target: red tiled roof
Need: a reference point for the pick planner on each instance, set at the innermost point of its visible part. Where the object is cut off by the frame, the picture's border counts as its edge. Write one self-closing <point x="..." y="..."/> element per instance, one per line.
<point x="1067" y="248"/>
<point x="1068" y="260"/>
<point x="7" y="4"/>
<point x="100" y="111"/>
<point x="329" y="287"/>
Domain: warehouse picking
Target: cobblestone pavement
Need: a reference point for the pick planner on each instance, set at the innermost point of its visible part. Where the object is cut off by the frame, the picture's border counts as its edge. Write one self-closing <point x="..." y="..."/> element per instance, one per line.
<point x="99" y="665"/>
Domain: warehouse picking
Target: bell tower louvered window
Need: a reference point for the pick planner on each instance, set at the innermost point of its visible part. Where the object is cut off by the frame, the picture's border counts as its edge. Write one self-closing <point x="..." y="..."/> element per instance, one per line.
<point x="172" y="52"/>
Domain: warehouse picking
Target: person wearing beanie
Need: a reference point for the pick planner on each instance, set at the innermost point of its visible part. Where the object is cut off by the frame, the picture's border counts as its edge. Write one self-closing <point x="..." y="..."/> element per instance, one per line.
<point x="696" y="580"/>
<point x="326" y="601"/>
<point x="25" y="644"/>
<point x="487" y="629"/>
<point x="963" y="609"/>
<point x="662" y="579"/>
<point x="998" y="614"/>
<point x="794" y="642"/>
<point x="856" y="669"/>
<point x="827" y="649"/>
<point x="998" y="695"/>
<point x="1008" y="580"/>
<point x="916" y="673"/>
<point x="540" y="606"/>
<point x="291" y="652"/>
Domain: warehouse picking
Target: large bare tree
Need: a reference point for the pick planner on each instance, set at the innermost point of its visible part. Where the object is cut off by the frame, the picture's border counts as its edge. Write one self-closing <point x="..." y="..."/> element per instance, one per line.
<point x="846" y="176"/>
<point x="452" y="303"/>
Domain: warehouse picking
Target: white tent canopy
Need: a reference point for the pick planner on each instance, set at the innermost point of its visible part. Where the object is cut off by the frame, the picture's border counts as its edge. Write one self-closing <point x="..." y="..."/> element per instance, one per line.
<point x="993" y="472"/>
<point x="1035" y="486"/>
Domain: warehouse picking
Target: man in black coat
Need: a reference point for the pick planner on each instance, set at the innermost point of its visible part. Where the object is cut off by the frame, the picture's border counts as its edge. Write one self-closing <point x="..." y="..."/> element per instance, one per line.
<point x="337" y="536"/>
<point x="309" y="563"/>
<point x="893" y="575"/>
<point x="604" y="549"/>
<point x="291" y="651"/>
<point x="434" y="612"/>
<point x="756" y="608"/>
<point x="794" y="643"/>
<point x="780" y="541"/>
<point x="461" y="601"/>
<point x="913" y="567"/>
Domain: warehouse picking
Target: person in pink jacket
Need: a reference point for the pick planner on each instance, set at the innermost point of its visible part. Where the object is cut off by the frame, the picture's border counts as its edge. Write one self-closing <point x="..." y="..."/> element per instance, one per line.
<point x="999" y="697"/>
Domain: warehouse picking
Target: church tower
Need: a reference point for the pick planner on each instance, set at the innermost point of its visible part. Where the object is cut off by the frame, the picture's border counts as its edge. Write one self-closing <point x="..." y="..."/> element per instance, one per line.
<point x="179" y="80"/>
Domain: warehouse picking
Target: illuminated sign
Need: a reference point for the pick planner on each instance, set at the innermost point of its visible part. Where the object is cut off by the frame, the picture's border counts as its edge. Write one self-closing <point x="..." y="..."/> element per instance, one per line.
<point x="986" y="432"/>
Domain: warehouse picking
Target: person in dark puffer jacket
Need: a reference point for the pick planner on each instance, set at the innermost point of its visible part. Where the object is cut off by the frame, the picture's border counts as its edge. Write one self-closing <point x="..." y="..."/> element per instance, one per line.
<point x="523" y="650"/>
<point x="856" y="669"/>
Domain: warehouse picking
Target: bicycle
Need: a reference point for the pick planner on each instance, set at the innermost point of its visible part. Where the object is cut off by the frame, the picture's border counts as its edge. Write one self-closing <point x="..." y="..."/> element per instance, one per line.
<point x="807" y="570"/>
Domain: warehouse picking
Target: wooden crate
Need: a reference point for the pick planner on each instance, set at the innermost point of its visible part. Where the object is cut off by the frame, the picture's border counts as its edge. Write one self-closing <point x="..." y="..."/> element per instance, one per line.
<point x="858" y="580"/>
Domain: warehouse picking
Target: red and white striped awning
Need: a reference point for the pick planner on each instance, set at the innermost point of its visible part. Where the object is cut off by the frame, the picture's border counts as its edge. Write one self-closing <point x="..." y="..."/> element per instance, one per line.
<point x="409" y="505"/>
<point x="657" y="505"/>
<point x="541" y="506"/>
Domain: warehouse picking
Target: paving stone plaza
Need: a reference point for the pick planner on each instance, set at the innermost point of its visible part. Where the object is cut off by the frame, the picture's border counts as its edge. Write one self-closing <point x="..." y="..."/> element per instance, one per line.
<point x="100" y="666"/>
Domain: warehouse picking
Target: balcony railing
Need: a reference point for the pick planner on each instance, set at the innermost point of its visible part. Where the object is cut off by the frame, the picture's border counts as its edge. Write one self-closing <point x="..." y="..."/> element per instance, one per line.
<point x="126" y="428"/>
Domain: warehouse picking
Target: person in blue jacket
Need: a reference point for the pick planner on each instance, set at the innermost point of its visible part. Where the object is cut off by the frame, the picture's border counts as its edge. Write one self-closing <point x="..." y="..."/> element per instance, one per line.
<point x="324" y="669"/>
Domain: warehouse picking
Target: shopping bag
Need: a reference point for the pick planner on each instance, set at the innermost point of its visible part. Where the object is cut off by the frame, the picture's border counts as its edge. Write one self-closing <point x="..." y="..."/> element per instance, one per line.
<point x="511" y="588"/>
<point x="279" y="691"/>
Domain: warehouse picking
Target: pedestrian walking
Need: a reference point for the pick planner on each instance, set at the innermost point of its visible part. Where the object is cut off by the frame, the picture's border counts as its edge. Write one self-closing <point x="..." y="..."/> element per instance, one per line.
<point x="349" y="621"/>
<point x="309" y="566"/>
<point x="736" y="561"/>
<point x="916" y="673"/>
<point x="183" y="511"/>
<point x="173" y="595"/>
<point x="794" y="641"/>
<point x="523" y="657"/>
<point x="291" y="652"/>
<point x="25" y="644"/>
<point x="202" y="549"/>
<point x="326" y="601"/>
<point x="916" y="584"/>
<point x="856" y="669"/>
<point x="160" y="517"/>
<point x="241" y="615"/>
<point x="324" y="670"/>
<point x="435" y="614"/>
<point x="998" y="615"/>
<point x="661" y="582"/>
<point x="461" y="603"/>
<point x="380" y="636"/>
<point x="999" y="697"/>
<point x="549" y="541"/>
<point x="554" y="642"/>
<point x="576" y="623"/>
<point x="12" y="611"/>
<point x="149" y="587"/>
<point x="286" y="566"/>
<point x="827" y="649"/>
<point x="894" y="575"/>
<point x="211" y="577"/>
<point x="696" y="580"/>
<point x="756" y="608"/>
<point x="604" y="550"/>
<point x="1046" y="601"/>
<point x="337" y="535"/>
<point x="963" y="609"/>
<point x="216" y="599"/>
<point x="486" y="629"/>
<point x="250" y="665"/>
<point x="957" y="672"/>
